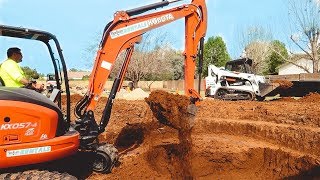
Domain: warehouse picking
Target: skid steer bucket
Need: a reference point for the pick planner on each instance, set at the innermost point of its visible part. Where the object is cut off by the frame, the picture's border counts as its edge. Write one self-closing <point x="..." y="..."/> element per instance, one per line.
<point x="268" y="89"/>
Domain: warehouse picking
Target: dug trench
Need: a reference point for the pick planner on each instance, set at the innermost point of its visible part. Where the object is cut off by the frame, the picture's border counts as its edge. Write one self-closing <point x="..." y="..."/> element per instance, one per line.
<point x="239" y="140"/>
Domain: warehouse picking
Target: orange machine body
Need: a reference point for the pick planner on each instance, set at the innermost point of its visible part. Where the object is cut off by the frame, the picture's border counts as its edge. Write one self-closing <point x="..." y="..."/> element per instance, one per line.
<point x="28" y="130"/>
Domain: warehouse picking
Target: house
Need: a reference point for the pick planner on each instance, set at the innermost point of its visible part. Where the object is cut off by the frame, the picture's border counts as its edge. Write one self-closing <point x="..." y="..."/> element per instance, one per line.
<point x="289" y="68"/>
<point x="302" y="60"/>
<point x="78" y="75"/>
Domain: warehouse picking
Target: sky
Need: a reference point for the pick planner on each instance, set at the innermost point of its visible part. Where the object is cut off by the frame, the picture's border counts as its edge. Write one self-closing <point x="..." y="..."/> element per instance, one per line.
<point x="79" y="25"/>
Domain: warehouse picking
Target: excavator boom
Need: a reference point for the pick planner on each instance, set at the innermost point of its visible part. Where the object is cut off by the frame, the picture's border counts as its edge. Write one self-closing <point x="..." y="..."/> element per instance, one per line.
<point x="127" y="29"/>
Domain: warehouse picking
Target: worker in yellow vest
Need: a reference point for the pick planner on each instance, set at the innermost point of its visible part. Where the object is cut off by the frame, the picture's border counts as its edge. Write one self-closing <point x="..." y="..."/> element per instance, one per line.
<point x="11" y="72"/>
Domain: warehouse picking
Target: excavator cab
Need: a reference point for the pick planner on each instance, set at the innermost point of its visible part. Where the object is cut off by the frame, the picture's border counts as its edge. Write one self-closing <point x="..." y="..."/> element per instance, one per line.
<point x="37" y="129"/>
<point x="48" y="39"/>
<point x="33" y="128"/>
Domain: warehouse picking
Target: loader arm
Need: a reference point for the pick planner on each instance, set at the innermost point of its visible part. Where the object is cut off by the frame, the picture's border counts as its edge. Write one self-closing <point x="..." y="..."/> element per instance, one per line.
<point x="124" y="32"/>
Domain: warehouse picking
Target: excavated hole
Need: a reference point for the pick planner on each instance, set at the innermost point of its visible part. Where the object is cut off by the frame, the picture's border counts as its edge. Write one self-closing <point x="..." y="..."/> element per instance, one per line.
<point x="257" y="163"/>
<point x="130" y="137"/>
<point x="173" y="159"/>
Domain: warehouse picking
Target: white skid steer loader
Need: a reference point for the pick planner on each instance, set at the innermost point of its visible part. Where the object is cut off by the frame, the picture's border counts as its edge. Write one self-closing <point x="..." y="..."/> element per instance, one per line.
<point x="236" y="81"/>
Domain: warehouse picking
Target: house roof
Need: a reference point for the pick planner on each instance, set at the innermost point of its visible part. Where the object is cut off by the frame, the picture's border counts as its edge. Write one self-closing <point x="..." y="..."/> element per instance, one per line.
<point x="294" y="58"/>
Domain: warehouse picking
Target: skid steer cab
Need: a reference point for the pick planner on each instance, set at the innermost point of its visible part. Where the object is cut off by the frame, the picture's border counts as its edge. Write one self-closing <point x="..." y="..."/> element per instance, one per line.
<point x="235" y="81"/>
<point x="35" y="129"/>
<point x="51" y="83"/>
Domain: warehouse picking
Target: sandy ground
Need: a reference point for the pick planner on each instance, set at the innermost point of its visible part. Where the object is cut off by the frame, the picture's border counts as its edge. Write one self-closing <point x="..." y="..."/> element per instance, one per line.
<point x="229" y="140"/>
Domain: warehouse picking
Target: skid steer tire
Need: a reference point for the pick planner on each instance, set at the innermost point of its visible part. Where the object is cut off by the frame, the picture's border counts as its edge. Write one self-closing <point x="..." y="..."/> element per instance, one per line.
<point x="36" y="175"/>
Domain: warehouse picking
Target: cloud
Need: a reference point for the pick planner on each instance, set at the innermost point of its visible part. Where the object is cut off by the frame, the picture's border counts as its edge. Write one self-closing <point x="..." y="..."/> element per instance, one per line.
<point x="317" y="2"/>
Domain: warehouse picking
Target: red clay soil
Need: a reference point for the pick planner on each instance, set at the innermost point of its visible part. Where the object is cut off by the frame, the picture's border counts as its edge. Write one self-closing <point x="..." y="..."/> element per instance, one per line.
<point x="283" y="84"/>
<point x="311" y="97"/>
<point x="170" y="109"/>
<point x="230" y="140"/>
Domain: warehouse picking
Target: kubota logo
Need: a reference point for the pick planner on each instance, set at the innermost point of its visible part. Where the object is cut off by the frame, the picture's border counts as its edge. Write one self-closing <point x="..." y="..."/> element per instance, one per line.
<point x="141" y="25"/>
<point x="17" y="126"/>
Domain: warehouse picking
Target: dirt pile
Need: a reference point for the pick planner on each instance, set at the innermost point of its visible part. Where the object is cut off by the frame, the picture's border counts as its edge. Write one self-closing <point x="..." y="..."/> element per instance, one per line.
<point x="311" y="97"/>
<point x="284" y="84"/>
<point x="136" y="94"/>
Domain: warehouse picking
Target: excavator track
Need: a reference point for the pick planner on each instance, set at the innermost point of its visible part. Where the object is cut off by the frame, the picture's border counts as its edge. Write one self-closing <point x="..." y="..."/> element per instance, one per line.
<point x="36" y="175"/>
<point x="233" y="95"/>
<point x="106" y="158"/>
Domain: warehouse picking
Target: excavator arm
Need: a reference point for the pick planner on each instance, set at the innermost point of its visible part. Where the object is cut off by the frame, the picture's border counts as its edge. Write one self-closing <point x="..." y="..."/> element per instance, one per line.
<point x="122" y="34"/>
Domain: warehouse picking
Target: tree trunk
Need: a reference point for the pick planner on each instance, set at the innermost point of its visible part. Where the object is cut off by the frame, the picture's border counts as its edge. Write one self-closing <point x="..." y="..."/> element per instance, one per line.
<point x="314" y="49"/>
<point x="135" y="83"/>
<point x="316" y="66"/>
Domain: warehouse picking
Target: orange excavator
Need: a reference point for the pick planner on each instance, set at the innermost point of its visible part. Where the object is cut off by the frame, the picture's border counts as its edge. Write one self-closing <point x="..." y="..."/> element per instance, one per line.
<point x="36" y="129"/>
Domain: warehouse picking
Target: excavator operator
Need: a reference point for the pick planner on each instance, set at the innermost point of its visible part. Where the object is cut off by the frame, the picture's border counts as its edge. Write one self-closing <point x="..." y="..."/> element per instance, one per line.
<point x="11" y="73"/>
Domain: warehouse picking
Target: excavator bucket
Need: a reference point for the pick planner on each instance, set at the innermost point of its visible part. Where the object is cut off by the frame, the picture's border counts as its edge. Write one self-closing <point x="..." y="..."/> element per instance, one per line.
<point x="172" y="110"/>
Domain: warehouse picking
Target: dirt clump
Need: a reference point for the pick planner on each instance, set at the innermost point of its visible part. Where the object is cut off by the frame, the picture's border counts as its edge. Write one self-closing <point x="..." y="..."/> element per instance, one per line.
<point x="171" y="109"/>
<point x="177" y="112"/>
<point x="284" y="84"/>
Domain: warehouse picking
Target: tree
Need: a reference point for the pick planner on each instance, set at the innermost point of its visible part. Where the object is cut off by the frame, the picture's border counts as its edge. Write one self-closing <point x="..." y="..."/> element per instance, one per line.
<point x="256" y="43"/>
<point x="154" y="65"/>
<point x="258" y="51"/>
<point x="177" y="64"/>
<point x="305" y="19"/>
<point x="277" y="56"/>
<point x="30" y="73"/>
<point x="215" y="52"/>
<point x="74" y="70"/>
<point x="255" y="33"/>
<point x="172" y="59"/>
<point x="150" y="61"/>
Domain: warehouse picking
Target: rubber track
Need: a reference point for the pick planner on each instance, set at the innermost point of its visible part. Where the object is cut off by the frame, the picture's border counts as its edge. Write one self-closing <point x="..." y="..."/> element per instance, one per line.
<point x="36" y="175"/>
<point x="112" y="152"/>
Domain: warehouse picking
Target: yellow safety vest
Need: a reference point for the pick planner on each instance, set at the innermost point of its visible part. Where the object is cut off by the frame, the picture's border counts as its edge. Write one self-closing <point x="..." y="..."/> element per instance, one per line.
<point x="11" y="73"/>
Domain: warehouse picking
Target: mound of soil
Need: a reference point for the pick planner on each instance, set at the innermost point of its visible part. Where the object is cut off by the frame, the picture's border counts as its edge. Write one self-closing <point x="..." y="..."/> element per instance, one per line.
<point x="284" y="84"/>
<point x="311" y="97"/>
